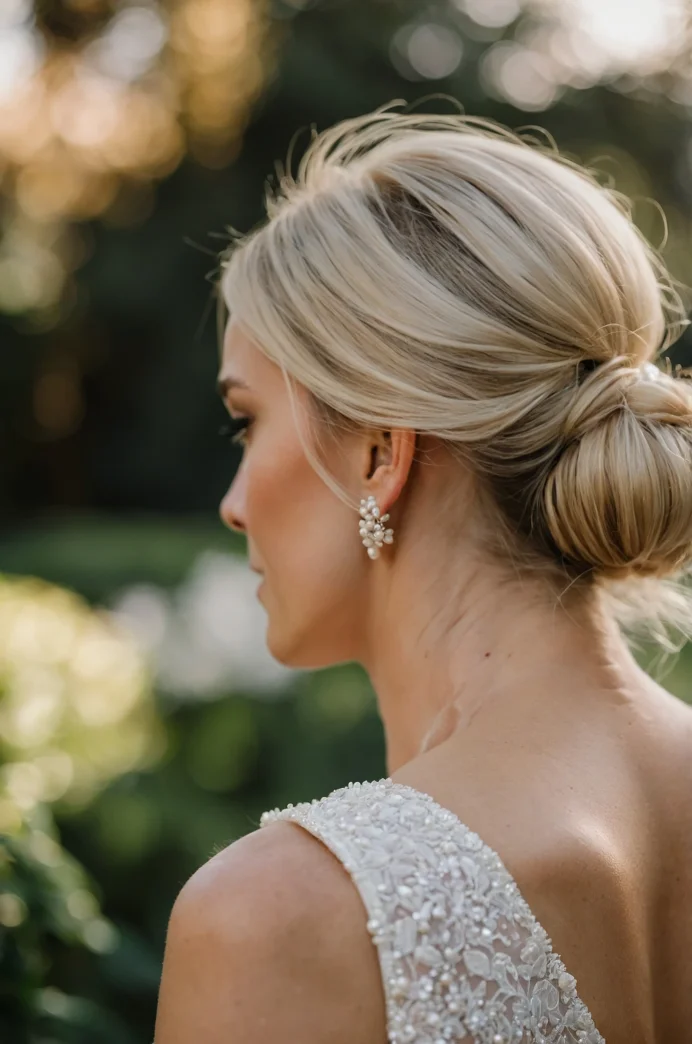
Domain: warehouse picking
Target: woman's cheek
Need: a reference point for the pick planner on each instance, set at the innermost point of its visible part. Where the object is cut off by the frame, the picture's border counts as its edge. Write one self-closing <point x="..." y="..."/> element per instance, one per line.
<point x="271" y="492"/>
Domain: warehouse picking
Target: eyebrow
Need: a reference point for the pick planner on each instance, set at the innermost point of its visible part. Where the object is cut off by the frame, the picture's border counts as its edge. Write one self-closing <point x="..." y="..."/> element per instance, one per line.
<point x="224" y="385"/>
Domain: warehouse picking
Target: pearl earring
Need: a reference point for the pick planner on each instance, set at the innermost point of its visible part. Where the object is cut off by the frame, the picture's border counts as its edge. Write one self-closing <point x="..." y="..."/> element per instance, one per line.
<point x="371" y="527"/>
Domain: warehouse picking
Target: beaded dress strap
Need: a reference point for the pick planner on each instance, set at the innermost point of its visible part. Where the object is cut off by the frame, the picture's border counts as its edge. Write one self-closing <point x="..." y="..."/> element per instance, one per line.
<point x="462" y="957"/>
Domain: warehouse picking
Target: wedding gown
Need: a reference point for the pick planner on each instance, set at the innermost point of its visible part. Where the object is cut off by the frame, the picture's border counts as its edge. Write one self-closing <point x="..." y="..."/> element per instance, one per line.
<point x="462" y="957"/>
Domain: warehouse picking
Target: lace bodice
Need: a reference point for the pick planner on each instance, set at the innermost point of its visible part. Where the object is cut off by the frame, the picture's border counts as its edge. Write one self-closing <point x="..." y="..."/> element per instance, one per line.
<point x="463" y="959"/>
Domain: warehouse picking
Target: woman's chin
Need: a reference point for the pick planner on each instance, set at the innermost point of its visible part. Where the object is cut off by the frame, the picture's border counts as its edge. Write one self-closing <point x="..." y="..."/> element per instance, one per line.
<point x="283" y="654"/>
<point x="290" y="651"/>
<point x="278" y="644"/>
<point x="303" y="646"/>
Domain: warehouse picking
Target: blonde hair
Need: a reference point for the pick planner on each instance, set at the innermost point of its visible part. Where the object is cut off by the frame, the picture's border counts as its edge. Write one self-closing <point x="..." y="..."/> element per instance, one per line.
<point x="441" y="273"/>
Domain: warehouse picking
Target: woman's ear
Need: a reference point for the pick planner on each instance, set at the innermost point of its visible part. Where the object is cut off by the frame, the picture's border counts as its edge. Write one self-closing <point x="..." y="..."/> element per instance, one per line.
<point x="390" y="456"/>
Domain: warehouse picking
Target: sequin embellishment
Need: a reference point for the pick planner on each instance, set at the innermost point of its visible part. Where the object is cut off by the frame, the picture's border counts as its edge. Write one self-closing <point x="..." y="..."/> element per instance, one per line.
<point x="463" y="959"/>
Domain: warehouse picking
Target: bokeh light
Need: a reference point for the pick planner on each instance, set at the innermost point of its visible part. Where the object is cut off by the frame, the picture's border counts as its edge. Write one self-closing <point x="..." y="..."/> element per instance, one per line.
<point x="426" y="51"/>
<point x="577" y="44"/>
<point x="77" y="119"/>
<point x="75" y="706"/>
<point x="91" y="114"/>
<point x="207" y="637"/>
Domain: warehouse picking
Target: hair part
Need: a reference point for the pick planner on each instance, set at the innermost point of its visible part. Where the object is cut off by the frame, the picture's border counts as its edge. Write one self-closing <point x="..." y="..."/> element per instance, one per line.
<point x="442" y="274"/>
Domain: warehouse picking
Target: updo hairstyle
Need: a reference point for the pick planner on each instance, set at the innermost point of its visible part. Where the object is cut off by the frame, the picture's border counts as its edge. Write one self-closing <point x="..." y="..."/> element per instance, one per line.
<point x="442" y="273"/>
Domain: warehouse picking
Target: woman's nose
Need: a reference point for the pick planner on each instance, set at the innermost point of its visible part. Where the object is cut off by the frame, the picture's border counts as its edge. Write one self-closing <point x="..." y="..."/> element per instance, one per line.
<point x="230" y="513"/>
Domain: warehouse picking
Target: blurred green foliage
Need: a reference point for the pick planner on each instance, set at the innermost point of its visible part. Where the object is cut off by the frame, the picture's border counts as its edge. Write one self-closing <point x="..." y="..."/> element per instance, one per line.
<point x="50" y="915"/>
<point x="78" y="950"/>
<point x="110" y="477"/>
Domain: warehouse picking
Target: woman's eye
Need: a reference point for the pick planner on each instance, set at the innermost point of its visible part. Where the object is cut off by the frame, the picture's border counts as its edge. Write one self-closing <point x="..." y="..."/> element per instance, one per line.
<point x="235" y="429"/>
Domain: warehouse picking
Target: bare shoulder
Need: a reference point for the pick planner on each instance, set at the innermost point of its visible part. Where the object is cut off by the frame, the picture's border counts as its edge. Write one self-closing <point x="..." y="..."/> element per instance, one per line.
<point x="268" y="941"/>
<point x="667" y="742"/>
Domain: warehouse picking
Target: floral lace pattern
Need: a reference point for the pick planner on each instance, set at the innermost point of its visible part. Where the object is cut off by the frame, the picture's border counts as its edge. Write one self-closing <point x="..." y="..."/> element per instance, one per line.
<point x="463" y="959"/>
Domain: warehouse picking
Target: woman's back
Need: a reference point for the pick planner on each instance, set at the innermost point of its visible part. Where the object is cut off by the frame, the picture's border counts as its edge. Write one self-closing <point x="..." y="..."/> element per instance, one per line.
<point x="667" y="771"/>
<point x="600" y="844"/>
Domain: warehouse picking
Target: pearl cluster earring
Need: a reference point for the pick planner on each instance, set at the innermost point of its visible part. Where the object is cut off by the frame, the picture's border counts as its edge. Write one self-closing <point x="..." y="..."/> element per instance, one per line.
<point x="371" y="526"/>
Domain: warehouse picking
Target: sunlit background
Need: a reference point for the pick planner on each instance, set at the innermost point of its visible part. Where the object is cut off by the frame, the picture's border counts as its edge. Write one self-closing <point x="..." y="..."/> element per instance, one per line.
<point x="143" y="724"/>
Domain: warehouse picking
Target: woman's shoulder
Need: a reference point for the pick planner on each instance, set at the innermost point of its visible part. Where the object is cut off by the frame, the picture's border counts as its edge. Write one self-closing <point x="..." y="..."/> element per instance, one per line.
<point x="267" y="941"/>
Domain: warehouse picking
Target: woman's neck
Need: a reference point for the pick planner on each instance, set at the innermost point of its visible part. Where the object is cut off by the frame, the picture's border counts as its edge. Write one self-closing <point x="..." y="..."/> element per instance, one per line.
<point x="484" y="658"/>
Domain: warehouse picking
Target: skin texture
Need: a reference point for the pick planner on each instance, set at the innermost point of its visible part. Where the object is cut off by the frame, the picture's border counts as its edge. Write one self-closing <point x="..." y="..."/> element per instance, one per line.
<point x="532" y="723"/>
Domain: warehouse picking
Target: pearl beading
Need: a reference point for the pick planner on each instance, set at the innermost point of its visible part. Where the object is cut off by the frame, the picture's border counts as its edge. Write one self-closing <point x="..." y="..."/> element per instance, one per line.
<point x="463" y="959"/>
<point x="372" y="529"/>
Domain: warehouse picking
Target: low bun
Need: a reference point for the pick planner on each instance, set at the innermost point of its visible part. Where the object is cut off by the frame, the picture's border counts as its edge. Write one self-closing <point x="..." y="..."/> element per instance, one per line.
<point x="618" y="500"/>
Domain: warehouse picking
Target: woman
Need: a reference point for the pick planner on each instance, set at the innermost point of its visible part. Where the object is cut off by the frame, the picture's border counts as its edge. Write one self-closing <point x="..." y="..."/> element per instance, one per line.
<point x="462" y="469"/>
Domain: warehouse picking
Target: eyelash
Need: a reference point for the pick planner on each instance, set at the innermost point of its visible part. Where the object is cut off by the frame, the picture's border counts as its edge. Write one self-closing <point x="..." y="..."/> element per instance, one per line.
<point x="235" y="429"/>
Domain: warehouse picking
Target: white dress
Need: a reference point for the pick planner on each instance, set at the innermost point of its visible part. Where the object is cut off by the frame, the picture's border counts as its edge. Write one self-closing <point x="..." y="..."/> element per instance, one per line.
<point x="462" y="957"/>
